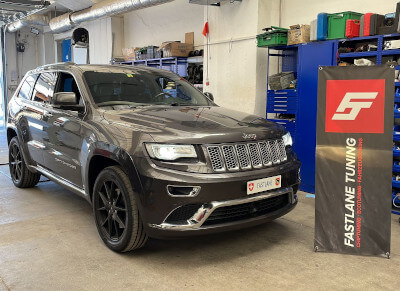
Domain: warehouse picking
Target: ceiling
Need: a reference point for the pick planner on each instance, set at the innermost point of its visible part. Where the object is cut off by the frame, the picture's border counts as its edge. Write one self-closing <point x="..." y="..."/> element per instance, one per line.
<point x="74" y="5"/>
<point x="11" y="10"/>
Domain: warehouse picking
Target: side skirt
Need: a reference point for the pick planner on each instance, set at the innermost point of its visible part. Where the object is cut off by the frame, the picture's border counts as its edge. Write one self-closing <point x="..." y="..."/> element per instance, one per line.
<point x="61" y="181"/>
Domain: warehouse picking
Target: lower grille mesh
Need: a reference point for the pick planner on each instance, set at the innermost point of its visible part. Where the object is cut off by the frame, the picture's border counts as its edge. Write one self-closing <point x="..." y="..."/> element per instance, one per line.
<point x="248" y="210"/>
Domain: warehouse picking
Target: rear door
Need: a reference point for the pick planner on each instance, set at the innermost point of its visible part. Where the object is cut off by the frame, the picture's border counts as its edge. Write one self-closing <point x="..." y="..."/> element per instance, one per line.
<point x="33" y="112"/>
<point x="64" y="135"/>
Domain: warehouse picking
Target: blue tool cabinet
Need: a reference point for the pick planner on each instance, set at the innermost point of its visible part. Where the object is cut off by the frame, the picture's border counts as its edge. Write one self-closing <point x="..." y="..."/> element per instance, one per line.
<point x="299" y="106"/>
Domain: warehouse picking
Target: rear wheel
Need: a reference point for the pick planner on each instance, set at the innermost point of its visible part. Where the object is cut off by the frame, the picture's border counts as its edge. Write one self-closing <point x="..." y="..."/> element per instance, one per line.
<point x="116" y="213"/>
<point x="21" y="176"/>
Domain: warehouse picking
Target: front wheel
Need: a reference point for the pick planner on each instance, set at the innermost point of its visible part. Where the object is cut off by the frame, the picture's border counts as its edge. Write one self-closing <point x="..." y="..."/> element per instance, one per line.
<point x="21" y="176"/>
<point x="116" y="213"/>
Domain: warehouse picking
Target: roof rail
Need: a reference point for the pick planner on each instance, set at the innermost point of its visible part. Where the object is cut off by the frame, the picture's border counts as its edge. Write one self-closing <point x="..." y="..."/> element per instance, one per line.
<point x="49" y="66"/>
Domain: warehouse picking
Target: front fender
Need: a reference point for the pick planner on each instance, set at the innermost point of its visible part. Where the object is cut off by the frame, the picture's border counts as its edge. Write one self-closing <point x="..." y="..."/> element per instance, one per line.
<point x="117" y="154"/>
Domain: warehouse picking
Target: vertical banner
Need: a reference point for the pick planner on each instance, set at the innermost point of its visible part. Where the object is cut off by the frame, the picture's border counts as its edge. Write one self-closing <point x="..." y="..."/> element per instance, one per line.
<point x="354" y="160"/>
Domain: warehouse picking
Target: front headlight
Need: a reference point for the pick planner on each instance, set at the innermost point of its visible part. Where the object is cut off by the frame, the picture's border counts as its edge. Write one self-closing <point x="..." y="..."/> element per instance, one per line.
<point x="287" y="139"/>
<point x="170" y="152"/>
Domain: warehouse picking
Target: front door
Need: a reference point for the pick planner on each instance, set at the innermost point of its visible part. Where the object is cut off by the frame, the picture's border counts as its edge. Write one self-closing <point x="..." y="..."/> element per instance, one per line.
<point x="63" y="136"/>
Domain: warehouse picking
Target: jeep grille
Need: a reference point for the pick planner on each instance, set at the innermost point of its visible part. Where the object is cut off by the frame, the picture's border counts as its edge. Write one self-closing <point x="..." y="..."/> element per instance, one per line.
<point x="246" y="156"/>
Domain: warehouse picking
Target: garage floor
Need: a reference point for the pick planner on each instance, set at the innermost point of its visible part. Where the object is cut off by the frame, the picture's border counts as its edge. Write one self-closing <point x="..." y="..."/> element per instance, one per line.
<point x="48" y="240"/>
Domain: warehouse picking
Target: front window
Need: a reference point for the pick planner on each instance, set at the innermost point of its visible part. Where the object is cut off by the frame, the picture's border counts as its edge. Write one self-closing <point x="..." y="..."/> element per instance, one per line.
<point x="121" y="87"/>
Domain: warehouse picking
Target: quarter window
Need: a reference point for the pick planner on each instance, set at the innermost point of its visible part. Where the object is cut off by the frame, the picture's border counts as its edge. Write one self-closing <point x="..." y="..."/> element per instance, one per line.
<point x="27" y="86"/>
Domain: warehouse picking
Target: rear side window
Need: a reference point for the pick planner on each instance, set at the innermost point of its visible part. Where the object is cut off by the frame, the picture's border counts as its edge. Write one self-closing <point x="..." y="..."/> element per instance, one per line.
<point x="27" y="86"/>
<point x="44" y="87"/>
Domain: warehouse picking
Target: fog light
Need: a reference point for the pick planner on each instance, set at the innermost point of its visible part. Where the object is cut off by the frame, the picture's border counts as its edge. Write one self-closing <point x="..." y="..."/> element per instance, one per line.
<point x="183" y="191"/>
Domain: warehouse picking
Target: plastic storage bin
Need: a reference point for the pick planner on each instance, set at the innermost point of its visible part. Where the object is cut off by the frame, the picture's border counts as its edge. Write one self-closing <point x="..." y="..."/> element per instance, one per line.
<point x="396" y="167"/>
<point x="392" y="28"/>
<point x="152" y="52"/>
<point x="313" y="30"/>
<point x="362" y="26"/>
<point x="377" y="21"/>
<point x="272" y="37"/>
<point x="337" y="23"/>
<point x="367" y="23"/>
<point x="322" y="26"/>
<point x="352" y="28"/>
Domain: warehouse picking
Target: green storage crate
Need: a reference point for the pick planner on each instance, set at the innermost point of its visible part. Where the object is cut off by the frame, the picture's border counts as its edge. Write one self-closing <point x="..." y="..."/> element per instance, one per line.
<point x="273" y="36"/>
<point x="337" y="23"/>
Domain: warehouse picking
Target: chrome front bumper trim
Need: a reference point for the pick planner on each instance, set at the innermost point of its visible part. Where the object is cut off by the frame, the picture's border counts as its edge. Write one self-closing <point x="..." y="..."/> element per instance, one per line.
<point x="205" y="210"/>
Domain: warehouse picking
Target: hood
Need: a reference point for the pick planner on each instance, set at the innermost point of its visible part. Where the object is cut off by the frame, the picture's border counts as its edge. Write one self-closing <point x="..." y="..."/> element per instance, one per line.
<point x="197" y="125"/>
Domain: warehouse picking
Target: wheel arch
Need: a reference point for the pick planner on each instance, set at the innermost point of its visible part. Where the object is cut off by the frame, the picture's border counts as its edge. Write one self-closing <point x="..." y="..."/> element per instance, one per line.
<point x="14" y="131"/>
<point x="106" y="157"/>
<point x="11" y="132"/>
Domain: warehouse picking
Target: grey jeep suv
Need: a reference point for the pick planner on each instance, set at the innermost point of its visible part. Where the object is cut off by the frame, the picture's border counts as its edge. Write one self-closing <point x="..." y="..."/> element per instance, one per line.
<point x="152" y="154"/>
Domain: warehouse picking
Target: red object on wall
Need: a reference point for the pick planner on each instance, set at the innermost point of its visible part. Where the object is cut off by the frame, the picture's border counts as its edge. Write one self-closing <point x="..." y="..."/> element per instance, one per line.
<point x="352" y="28"/>
<point x="205" y="29"/>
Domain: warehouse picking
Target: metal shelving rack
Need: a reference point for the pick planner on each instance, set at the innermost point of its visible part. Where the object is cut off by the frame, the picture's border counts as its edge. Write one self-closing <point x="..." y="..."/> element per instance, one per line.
<point x="177" y="65"/>
<point x="284" y="101"/>
<point x="380" y="54"/>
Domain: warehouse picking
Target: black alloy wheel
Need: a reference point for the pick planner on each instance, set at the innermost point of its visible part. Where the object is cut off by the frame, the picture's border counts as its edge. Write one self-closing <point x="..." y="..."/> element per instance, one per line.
<point x="21" y="176"/>
<point x="111" y="210"/>
<point x="116" y="213"/>
<point x="15" y="160"/>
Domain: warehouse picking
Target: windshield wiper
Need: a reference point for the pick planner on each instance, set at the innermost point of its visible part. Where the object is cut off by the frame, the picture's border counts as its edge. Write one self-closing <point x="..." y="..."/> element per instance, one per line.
<point x="180" y="104"/>
<point x="141" y="105"/>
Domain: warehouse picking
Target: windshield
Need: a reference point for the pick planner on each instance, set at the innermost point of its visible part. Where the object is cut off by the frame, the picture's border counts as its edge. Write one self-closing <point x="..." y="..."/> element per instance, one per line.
<point x="121" y="87"/>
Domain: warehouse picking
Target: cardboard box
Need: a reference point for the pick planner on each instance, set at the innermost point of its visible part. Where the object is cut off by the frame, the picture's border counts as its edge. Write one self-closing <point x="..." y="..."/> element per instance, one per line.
<point x="178" y="49"/>
<point x="298" y="34"/>
<point x="129" y="54"/>
<point x="189" y="37"/>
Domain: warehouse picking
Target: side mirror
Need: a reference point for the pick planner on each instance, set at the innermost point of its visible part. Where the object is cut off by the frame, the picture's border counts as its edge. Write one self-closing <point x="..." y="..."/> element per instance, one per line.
<point x="64" y="98"/>
<point x="66" y="101"/>
<point x="209" y="95"/>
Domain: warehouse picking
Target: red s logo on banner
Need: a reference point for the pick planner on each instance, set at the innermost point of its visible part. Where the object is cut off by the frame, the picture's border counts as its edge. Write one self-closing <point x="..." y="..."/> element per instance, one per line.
<point x="355" y="106"/>
<point x="349" y="101"/>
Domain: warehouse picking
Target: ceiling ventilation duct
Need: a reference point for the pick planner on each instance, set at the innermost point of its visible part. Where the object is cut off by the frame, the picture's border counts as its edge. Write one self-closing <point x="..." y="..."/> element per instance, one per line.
<point x="105" y="8"/>
<point x="209" y="2"/>
<point x="34" y="19"/>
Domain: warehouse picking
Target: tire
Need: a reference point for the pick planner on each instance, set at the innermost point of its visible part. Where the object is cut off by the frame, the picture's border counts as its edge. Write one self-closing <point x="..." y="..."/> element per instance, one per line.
<point x="21" y="176"/>
<point x="116" y="212"/>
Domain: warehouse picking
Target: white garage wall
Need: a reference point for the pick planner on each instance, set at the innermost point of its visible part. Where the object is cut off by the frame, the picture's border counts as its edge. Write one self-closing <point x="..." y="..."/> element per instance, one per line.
<point x="237" y="68"/>
<point x="233" y="54"/>
<point x="19" y="63"/>
<point x="304" y="11"/>
<point x="166" y="22"/>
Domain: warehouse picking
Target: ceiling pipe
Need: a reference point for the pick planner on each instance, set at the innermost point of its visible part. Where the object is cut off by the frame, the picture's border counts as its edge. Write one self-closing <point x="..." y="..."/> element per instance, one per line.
<point x="34" y="19"/>
<point x="104" y="8"/>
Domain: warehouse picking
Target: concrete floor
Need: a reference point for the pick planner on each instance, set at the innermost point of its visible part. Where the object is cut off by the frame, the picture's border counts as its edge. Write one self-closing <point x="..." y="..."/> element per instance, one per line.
<point x="48" y="241"/>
